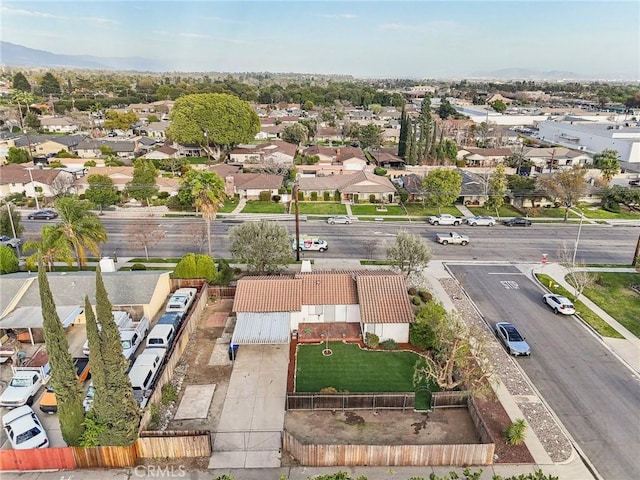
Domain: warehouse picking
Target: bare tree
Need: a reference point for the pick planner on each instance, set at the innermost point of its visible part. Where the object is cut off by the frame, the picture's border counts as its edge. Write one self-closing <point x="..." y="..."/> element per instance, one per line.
<point x="370" y="247"/>
<point x="61" y="184"/>
<point x="577" y="273"/>
<point x="145" y="233"/>
<point x="564" y="186"/>
<point x="197" y="235"/>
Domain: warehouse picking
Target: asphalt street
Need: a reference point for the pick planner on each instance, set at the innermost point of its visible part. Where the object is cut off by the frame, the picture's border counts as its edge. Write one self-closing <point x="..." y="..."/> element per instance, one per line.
<point x="595" y="396"/>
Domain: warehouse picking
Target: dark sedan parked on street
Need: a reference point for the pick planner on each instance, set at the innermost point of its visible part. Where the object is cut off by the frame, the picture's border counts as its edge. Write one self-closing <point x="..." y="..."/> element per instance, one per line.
<point x="517" y="222"/>
<point x="46" y="214"/>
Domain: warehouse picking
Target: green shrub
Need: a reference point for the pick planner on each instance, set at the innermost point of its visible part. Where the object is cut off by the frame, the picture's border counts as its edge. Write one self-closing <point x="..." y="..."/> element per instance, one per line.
<point x="416" y="300"/>
<point x="282" y="190"/>
<point x="164" y="195"/>
<point x="265" y="196"/>
<point x="276" y="198"/>
<point x="328" y="390"/>
<point x="611" y="206"/>
<point x="314" y="196"/>
<point x="169" y="394"/>
<point x="380" y="171"/>
<point x="424" y="295"/>
<point x="514" y="434"/>
<point x="92" y="431"/>
<point x="336" y="196"/>
<point x="372" y="198"/>
<point x="300" y="195"/>
<point x="356" y="198"/>
<point x="8" y="260"/>
<point x="461" y="163"/>
<point x="196" y="266"/>
<point x="225" y="273"/>
<point x="389" y="344"/>
<point x="155" y="415"/>
<point x="412" y="291"/>
<point x="326" y="196"/>
<point x="138" y="266"/>
<point x="371" y="340"/>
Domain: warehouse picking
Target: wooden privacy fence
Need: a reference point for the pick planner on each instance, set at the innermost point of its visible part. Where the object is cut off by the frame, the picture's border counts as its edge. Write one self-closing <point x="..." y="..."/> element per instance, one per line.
<point x="478" y="421"/>
<point x="350" y="401"/>
<point x="105" y="457"/>
<point x="449" y="399"/>
<point x="181" y="444"/>
<point x="387" y="455"/>
<point x="222" y="292"/>
<point x="38" y="459"/>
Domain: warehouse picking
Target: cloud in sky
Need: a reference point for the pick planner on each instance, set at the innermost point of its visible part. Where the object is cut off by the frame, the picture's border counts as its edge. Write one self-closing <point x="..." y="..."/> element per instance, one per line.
<point x="363" y="38"/>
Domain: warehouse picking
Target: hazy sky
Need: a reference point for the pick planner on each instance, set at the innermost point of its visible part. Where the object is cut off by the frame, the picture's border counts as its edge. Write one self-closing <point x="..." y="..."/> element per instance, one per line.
<point x="361" y="38"/>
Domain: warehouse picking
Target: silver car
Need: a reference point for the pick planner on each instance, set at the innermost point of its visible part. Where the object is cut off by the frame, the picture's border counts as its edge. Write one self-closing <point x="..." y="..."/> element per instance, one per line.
<point x="10" y="242"/>
<point x="344" y="219"/>
<point x="511" y="338"/>
<point x="483" y="220"/>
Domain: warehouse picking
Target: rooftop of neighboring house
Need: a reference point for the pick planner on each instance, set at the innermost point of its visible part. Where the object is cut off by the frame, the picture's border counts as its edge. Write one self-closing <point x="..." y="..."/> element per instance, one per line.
<point x="381" y="295"/>
<point x="489" y="152"/>
<point x="347" y="153"/>
<point x="320" y="150"/>
<point x="257" y="181"/>
<point x="53" y="121"/>
<point x="223" y="169"/>
<point x="157" y="126"/>
<point x="14" y="173"/>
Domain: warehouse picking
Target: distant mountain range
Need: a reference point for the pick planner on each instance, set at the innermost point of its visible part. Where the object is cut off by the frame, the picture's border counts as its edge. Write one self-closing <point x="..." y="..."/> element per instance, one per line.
<point x="20" y="56"/>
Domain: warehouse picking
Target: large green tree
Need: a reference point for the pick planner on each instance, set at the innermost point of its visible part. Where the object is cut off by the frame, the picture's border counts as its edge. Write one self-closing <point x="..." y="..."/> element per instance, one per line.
<point x="8" y="260"/>
<point x="208" y="193"/>
<point x="81" y="227"/>
<point x="442" y="187"/>
<point x="498" y="189"/>
<point x="114" y="404"/>
<point x="53" y="246"/>
<point x="143" y="183"/>
<point x="49" y="85"/>
<point x="216" y="121"/>
<point x="196" y="266"/>
<point x="264" y="246"/>
<point x="405" y="127"/>
<point x="119" y="121"/>
<point x="370" y="136"/>
<point x="10" y="223"/>
<point x="101" y="190"/>
<point x="21" y="83"/>
<point x="608" y="163"/>
<point x="295" y="134"/>
<point x="17" y="155"/>
<point x="564" y="186"/>
<point x="68" y="390"/>
<point x="409" y="253"/>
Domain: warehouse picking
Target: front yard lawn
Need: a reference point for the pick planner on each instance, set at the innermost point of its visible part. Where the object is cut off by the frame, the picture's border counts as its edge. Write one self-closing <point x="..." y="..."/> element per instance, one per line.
<point x="353" y="370"/>
<point x="597" y="213"/>
<point x="228" y="206"/>
<point x="505" y="211"/>
<point x="322" y="208"/>
<point x="594" y="320"/>
<point x="549" y="213"/>
<point x="371" y="210"/>
<point x="256" y="206"/>
<point x="417" y="209"/>
<point x="613" y="294"/>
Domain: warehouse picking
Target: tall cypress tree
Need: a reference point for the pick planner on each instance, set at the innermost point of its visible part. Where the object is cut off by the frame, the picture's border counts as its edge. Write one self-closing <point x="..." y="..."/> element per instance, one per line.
<point x="402" y="139"/>
<point x="411" y="148"/>
<point x="21" y="83"/>
<point x="117" y="408"/>
<point x="63" y="372"/>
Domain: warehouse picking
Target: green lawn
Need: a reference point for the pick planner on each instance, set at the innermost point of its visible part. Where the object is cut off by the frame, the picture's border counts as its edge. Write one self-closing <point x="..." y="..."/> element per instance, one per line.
<point x="597" y="213"/>
<point x="155" y="260"/>
<point x="228" y="206"/>
<point x="549" y="213"/>
<point x="322" y="208"/>
<point x="613" y="295"/>
<point x="417" y="209"/>
<point x="256" y="206"/>
<point x="354" y="370"/>
<point x="505" y="211"/>
<point x="594" y="320"/>
<point x="371" y="210"/>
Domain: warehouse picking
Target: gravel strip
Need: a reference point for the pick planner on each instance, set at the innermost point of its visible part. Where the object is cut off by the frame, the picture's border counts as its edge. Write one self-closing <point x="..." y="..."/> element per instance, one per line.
<point x="536" y="414"/>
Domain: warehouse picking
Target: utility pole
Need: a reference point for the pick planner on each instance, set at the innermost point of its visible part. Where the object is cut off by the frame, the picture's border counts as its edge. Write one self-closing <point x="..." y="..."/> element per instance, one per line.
<point x="636" y="255"/>
<point x="295" y="199"/>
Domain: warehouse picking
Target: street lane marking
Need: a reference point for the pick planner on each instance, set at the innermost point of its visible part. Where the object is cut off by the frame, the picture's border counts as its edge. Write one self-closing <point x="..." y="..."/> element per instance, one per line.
<point x="510" y="284"/>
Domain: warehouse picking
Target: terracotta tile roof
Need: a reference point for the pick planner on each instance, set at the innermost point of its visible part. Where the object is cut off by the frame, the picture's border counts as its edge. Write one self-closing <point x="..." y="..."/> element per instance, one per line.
<point x="383" y="299"/>
<point x="254" y="181"/>
<point x="14" y="173"/>
<point x="268" y="294"/>
<point x="223" y="169"/>
<point x="329" y="289"/>
<point x="346" y="153"/>
<point x="320" y="150"/>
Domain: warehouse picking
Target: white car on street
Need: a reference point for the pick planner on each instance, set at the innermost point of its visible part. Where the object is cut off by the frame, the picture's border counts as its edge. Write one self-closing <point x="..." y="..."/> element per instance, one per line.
<point x="483" y="220"/>
<point x="344" y="219"/>
<point x="559" y="304"/>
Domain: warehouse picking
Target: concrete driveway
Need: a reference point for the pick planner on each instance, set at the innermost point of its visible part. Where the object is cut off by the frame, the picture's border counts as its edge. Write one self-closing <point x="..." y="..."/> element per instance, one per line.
<point x="250" y="428"/>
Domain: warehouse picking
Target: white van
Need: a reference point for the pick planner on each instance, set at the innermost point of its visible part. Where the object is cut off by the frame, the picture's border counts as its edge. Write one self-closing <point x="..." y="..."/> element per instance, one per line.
<point x="161" y="336"/>
<point x="143" y="373"/>
<point x="308" y="244"/>
<point x="181" y="300"/>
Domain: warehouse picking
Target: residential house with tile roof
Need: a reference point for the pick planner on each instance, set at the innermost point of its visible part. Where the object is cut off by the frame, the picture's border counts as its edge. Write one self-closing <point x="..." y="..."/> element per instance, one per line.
<point x="483" y="156"/>
<point x="270" y="308"/>
<point x="90" y="148"/>
<point x="276" y="151"/>
<point x="250" y="185"/>
<point x="58" y="124"/>
<point x="387" y="160"/>
<point x="162" y="153"/>
<point x="360" y="185"/>
<point x="555" y="157"/>
<point x="121" y="176"/>
<point x="46" y="182"/>
<point x="156" y="129"/>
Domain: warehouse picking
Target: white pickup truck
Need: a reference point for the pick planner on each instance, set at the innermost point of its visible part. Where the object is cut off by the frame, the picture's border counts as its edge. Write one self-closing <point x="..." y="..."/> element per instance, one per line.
<point x="24" y="386"/>
<point x="444" y="219"/>
<point x="452" y="237"/>
<point x="181" y="300"/>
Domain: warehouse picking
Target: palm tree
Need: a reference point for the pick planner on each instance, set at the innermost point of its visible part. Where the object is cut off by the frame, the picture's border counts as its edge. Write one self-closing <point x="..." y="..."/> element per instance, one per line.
<point x="52" y="247"/>
<point x="81" y="227"/>
<point x="208" y="193"/>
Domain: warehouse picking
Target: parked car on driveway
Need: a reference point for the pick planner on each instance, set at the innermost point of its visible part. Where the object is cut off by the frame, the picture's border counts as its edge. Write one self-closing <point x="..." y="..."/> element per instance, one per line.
<point x="481" y="221"/>
<point x="559" y="304"/>
<point x="24" y="430"/>
<point x="46" y="214"/>
<point x="517" y="222"/>
<point x="344" y="219"/>
<point x="511" y="338"/>
<point x="10" y="242"/>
